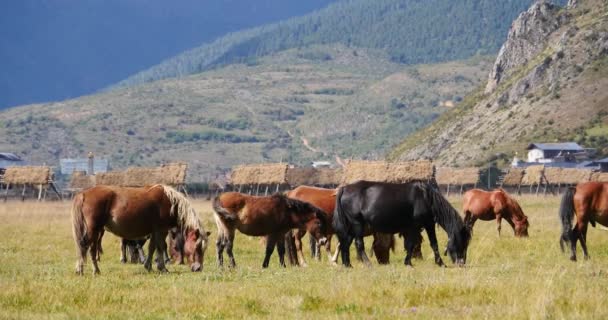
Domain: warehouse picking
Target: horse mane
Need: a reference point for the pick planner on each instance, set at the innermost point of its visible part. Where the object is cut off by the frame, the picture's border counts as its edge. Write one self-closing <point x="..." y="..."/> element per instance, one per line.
<point x="181" y="207"/>
<point x="513" y="205"/>
<point x="445" y="214"/>
<point x="301" y="207"/>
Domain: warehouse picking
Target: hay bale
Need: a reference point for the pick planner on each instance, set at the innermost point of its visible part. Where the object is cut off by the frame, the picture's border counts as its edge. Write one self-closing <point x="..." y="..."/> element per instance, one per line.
<point x="457" y="176"/>
<point x="313" y="176"/>
<point x="553" y="175"/>
<point x="599" y="176"/>
<point x="112" y="178"/>
<point x="27" y="175"/>
<point x="513" y="177"/>
<point x="533" y="175"/>
<point x="270" y="173"/>
<point x="574" y="176"/>
<point x="80" y="180"/>
<point x="381" y="171"/>
<point x="141" y="176"/>
<point x="173" y="174"/>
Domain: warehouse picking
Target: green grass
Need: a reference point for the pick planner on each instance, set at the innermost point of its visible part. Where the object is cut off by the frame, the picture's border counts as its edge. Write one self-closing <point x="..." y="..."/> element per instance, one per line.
<point x="505" y="278"/>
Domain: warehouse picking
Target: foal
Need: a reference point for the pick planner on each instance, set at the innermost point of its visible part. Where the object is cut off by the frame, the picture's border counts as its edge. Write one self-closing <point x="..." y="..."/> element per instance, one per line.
<point x="260" y="216"/>
<point x="490" y="205"/>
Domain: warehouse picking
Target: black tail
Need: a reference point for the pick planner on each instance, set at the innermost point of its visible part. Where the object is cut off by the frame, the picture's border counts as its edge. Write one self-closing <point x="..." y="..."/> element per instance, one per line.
<point x="341" y="222"/>
<point x="566" y="213"/>
<point x="221" y="211"/>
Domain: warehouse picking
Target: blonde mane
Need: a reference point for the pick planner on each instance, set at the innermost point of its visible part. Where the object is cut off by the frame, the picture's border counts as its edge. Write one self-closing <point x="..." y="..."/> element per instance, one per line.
<point x="180" y="207"/>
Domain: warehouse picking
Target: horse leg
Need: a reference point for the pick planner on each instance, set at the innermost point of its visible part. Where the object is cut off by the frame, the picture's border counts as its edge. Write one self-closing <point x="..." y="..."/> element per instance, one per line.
<point x="161" y="247"/>
<point x="360" y="245"/>
<point x="298" y="241"/>
<point x="410" y="243"/>
<point x="334" y="257"/>
<point x="498" y="220"/>
<point x="328" y="248"/>
<point x="345" y="242"/>
<point x="430" y="231"/>
<point x="123" y="251"/>
<point x="573" y="238"/>
<point x="83" y="247"/>
<point x="151" y="249"/>
<point x="220" y="243"/>
<point x="583" y="236"/>
<point x="270" y="243"/>
<point x="94" y="250"/>
<point x="140" y="252"/>
<point x="229" y="245"/>
<point x="281" y="250"/>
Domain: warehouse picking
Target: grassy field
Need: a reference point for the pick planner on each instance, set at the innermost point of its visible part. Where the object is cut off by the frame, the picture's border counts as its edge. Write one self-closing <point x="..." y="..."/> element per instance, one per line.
<point x="504" y="278"/>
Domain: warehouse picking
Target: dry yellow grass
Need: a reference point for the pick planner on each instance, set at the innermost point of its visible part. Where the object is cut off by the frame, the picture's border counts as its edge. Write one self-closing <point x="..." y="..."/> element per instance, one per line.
<point x="505" y="278"/>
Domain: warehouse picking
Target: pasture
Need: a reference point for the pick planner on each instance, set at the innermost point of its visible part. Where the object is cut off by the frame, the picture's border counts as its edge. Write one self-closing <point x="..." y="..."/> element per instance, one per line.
<point x="504" y="278"/>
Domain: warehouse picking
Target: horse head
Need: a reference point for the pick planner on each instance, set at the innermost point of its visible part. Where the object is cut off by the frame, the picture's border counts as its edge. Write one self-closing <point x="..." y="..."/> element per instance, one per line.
<point x="195" y="245"/>
<point x="312" y="218"/>
<point x="458" y="243"/>
<point x="521" y="226"/>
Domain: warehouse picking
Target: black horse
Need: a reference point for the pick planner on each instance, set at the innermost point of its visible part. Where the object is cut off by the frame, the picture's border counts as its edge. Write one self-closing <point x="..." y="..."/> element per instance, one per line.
<point x="393" y="208"/>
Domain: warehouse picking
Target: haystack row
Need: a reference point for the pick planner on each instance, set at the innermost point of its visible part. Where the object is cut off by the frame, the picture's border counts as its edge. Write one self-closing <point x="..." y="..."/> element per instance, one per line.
<point x="382" y="171"/>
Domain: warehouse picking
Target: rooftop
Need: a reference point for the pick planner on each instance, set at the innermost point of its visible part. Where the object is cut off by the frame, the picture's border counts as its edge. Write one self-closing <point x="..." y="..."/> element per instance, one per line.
<point x="563" y="146"/>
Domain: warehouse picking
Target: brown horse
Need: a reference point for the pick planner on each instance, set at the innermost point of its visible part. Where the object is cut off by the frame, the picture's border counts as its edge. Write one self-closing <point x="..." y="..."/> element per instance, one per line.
<point x="490" y="205"/>
<point x="269" y="216"/>
<point x="589" y="202"/>
<point x="134" y="213"/>
<point x="325" y="199"/>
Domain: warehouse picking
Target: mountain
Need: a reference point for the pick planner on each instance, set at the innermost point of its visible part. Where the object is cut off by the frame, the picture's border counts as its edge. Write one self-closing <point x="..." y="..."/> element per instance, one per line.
<point x="297" y="105"/>
<point x="58" y="49"/>
<point x="410" y="31"/>
<point x="549" y="83"/>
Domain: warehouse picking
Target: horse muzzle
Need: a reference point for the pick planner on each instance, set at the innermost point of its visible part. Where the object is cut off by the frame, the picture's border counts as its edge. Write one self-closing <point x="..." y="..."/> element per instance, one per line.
<point x="460" y="263"/>
<point x="322" y="241"/>
<point x="196" y="267"/>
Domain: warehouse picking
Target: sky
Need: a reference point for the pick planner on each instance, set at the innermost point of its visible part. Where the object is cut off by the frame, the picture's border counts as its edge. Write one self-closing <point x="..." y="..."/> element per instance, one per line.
<point x="59" y="49"/>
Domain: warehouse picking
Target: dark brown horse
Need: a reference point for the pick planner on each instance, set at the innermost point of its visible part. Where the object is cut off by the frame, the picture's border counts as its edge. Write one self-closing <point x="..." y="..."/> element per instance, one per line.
<point x="490" y="205"/>
<point x="271" y="216"/>
<point x="325" y="199"/>
<point x="134" y="213"/>
<point x="586" y="203"/>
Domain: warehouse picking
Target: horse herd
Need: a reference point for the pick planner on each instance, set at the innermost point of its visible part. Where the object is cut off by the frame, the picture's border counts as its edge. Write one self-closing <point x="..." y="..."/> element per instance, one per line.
<point x="351" y="212"/>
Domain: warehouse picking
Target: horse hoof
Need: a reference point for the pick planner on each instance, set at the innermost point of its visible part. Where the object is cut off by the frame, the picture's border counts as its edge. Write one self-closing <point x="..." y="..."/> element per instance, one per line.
<point x="587" y="257"/>
<point x="572" y="258"/>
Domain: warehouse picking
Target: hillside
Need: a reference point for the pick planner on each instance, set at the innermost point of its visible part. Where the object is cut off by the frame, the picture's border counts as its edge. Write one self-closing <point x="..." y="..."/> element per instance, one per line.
<point x="342" y="101"/>
<point x="410" y="32"/>
<point x="549" y="83"/>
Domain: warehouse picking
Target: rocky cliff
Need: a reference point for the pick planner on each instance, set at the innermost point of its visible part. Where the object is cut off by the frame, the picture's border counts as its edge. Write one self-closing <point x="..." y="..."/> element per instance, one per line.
<point x="549" y="83"/>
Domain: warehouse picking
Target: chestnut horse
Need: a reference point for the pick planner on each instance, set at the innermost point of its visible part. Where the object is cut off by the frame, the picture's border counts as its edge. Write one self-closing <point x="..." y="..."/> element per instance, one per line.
<point x="490" y="205"/>
<point x="134" y="213"/>
<point x="325" y="199"/>
<point x="589" y="203"/>
<point x="270" y="216"/>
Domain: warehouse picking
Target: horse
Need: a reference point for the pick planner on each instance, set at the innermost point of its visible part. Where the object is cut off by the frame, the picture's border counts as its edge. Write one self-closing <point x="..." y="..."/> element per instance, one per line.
<point x="589" y="203"/>
<point x="270" y="216"/>
<point x="134" y="248"/>
<point x="133" y="213"/>
<point x="393" y="208"/>
<point x="325" y="199"/>
<point x="490" y="205"/>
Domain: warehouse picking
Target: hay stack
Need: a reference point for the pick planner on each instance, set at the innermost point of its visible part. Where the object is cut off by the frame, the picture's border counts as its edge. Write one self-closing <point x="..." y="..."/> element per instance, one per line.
<point x="81" y="181"/>
<point x="553" y="175"/>
<point x="27" y="175"/>
<point x="313" y="176"/>
<point x="271" y="173"/>
<point x="513" y="177"/>
<point x="141" y="176"/>
<point x="574" y="176"/>
<point x="533" y="175"/>
<point x="381" y="171"/>
<point x="113" y="178"/>
<point x="599" y="176"/>
<point x="454" y="176"/>
<point x="173" y="174"/>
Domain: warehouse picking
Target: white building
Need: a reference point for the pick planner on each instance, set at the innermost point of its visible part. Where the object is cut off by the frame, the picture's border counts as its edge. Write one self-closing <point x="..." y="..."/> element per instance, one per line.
<point x="548" y="152"/>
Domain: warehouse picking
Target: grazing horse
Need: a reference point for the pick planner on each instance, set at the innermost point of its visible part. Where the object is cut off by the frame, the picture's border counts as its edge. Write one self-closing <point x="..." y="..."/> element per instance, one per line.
<point x="589" y="203"/>
<point x="490" y="205"/>
<point x="393" y="208"/>
<point x="270" y="216"/>
<point x="135" y="249"/>
<point x="325" y="199"/>
<point x="134" y="213"/>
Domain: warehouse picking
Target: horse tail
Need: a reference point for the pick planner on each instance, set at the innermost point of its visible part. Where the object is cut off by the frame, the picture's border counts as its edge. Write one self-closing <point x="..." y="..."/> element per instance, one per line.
<point x="341" y="222"/>
<point x="79" y="225"/>
<point x="221" y="211"/>
<point x="566" y="213"/>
